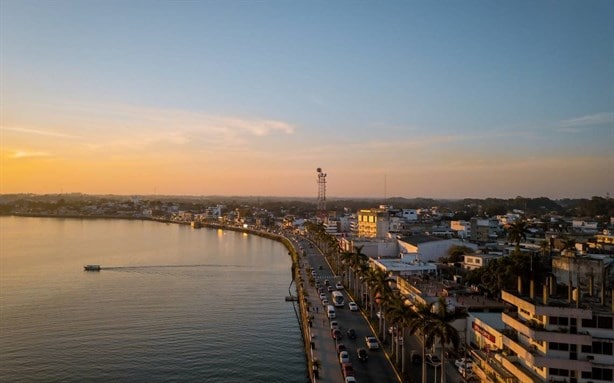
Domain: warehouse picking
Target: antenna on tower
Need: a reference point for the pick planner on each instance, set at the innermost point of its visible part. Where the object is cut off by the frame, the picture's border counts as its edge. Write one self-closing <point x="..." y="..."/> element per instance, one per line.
<point x="321" y="207"/>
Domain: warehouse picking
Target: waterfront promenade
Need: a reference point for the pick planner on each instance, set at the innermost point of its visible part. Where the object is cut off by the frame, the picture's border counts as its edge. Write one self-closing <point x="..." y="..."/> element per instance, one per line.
<point x="321" y="347"/>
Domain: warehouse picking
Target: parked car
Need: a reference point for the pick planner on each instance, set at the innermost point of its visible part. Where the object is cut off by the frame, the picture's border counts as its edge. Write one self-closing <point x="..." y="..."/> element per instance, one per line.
<point x="341" y="347"/>
<point x="334" y="324"/>
<point x="313" y="273"/>
<point x="344" y="357"/>
<point x="336" y="334"/>
<point x="371" y="342"/>
<point x="463" y="362"/>
<point x="322" y="296"/>
<point x="339" y="286"/>
<point x="362" y="354"/>
<point x="325" y="302"/>
<point x="353" y="306"/>
<point x="326" y="282"/>
<point x="330" y="289"/>
<point x="347" y="369"/>
<point x="350" y="379"/>
<point x="351" y="333"/>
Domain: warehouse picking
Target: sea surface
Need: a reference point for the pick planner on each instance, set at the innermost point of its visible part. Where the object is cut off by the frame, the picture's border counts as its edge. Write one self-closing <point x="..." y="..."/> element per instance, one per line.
<point x="172" y="304"/>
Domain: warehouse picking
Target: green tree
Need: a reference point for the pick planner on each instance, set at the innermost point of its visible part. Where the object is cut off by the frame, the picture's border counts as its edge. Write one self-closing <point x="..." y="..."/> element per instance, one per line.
<point x="516" y="232"/>
<point x="398" y="314"/>
<point x="419" y="323"/>
<point x="440" y="328"/>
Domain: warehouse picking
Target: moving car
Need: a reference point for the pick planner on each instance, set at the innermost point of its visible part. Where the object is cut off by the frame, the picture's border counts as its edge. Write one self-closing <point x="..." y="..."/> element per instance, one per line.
<point x="339" y="286"/>
<point x="344" y="357"/>
<point x="351" y="333"/>
<point x="334" y="324"/>
<point x="322" y="296"/>
<point x="362" y="354"/>
<point x="371" y="342"/>
<point x="350" y="379"/>
<point x="433" y="359"/>
<point x="353" y="306"/>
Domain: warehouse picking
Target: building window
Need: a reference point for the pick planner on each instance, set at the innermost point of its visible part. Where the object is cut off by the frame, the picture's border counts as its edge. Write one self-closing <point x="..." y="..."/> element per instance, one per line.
<point x="604" y="348"/>
<point x="604" y="322"/>
<point x="590" y="323"/>
<point x="559" y="346"/>
<point x="599" y="374"/>
<point x="559" y="372"/>
<point x="561" y="321"/>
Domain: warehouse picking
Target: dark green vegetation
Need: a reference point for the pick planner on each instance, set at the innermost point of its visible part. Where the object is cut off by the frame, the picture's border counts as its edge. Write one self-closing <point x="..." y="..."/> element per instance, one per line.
<point x="597" y="207"/>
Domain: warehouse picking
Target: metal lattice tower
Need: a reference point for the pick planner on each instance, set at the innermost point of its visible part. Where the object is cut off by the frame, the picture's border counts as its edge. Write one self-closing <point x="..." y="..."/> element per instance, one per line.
<point x="321" y="208"/>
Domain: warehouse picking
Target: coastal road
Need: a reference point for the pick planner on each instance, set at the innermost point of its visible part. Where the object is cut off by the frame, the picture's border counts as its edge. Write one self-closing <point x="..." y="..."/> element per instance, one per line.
<point x="377" y="369"/>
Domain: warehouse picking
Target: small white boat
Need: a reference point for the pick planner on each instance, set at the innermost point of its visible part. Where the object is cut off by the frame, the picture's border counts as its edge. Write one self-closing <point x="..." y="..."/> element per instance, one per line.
<point x="91" y="267"/>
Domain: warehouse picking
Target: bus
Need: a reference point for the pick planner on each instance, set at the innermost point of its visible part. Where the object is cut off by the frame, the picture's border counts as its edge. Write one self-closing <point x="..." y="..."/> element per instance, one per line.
<point x="338" y="299"/>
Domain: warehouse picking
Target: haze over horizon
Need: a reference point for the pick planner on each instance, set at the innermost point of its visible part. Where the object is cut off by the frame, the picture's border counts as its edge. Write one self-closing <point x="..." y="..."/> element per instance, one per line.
<point x="409" y="99"/>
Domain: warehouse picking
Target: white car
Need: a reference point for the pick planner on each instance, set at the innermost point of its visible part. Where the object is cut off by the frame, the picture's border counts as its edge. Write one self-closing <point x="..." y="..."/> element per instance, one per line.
<point x="353" y="306"/>
<point x="324" y="302"/>
<point x="344" y="357"/>
<point x="463" y="362"/>
<point x="371" y="342"/>
<point x="339" y="286"/>
<point x="350" y="379"/>
<point x="334" y="324"/>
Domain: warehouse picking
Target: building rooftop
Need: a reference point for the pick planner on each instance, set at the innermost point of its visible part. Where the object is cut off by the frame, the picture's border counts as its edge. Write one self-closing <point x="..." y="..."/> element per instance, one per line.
<point x="494" y="320"/>
<point x="419" y="238"/>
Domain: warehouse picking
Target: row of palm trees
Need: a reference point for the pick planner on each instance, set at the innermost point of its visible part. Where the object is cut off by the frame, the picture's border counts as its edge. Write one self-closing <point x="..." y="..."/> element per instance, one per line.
<point x="432" y="321"/>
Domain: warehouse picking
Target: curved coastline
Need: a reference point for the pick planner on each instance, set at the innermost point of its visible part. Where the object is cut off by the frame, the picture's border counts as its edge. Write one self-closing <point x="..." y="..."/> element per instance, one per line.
<point x="292" y="251"/>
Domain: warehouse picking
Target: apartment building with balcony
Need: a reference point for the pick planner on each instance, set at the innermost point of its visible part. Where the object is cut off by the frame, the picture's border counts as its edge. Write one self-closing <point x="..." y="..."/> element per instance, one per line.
<point x="552" y="339"/>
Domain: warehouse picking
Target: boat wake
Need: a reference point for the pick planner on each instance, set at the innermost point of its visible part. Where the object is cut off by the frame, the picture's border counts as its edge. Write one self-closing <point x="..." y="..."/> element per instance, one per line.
<point x="119" y="268"/>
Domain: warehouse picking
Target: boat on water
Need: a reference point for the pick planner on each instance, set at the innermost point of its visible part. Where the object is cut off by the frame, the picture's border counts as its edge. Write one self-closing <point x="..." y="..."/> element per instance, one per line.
<point x="91" y="267"/>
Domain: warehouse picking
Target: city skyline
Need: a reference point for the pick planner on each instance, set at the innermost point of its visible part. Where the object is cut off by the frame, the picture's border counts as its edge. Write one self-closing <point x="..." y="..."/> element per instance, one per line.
<point x="402" y="99"/>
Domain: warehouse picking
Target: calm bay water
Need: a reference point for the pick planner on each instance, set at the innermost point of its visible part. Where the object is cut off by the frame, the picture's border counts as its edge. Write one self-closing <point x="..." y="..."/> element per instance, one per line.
<point x="176" y="304"/>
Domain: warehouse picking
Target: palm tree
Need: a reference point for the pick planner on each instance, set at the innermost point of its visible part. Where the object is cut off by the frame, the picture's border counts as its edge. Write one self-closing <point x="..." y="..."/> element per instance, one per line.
<point x="346" y="260"/>
<point x="358" y="262"/>
<point x="382" y="292"/>
<point x="516" y="232"/>
<point x="440" y="328"/>
<point x="419" y="322"/>
<point x="398" y="313"/>
<point x="370" y="278"/>
<point x="361" y="270"/>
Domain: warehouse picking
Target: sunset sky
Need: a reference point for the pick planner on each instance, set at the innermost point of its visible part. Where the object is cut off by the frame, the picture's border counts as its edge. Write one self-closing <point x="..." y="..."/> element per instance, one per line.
<point x="444" y="99"/>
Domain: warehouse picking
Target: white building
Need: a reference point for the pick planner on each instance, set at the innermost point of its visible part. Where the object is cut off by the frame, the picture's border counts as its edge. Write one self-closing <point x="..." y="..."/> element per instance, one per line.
<point x="428" y="248"/>
<point x="461" y="228"/>
<point x="476" y="261"/>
